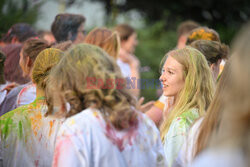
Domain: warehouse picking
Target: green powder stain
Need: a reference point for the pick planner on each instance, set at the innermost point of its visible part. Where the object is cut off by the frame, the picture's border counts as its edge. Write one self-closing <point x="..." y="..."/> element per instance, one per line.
<point x="6" y="131"/>
<point x="20" y="129"/>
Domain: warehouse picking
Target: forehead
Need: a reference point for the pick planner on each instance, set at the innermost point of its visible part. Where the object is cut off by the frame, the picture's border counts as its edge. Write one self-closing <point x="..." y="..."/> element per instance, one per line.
<point x="171" y="63"/>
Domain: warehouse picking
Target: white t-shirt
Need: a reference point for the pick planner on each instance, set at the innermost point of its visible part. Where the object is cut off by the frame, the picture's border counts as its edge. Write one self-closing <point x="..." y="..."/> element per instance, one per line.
<point x="87" y="140"/>
<point x="186" y="154"/>
<point x="125" y="68"/>
<point x="27" y="95"/>
<point x="3" y="93"/>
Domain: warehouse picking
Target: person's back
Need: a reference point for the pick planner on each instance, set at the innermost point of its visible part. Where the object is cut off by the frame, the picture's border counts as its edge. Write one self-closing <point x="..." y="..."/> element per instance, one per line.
<point x="97" y="143"/>
<point x="26" y="138"/>
<point x="27" y="133"/>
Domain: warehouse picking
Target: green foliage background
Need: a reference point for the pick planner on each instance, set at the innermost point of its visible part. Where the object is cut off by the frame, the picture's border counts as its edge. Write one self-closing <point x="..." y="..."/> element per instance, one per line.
<point x="16" y="11"/>
<point x="154" y="43"/>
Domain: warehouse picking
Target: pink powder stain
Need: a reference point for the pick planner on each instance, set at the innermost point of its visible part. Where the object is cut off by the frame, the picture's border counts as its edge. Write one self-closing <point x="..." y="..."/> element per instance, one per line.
<point x="61" y="147"/>
<point x="36" y="163"/>
<point x="119" y="142"/>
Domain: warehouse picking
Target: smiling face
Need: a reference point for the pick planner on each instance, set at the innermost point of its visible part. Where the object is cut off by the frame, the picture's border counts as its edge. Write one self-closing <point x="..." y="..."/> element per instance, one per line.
<point x="172" y="77"/>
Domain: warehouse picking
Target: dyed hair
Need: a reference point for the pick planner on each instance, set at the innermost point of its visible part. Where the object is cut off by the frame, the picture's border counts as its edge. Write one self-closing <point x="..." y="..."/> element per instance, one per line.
<point x="203" y="33"/>
<point x="213" y="115"/>
<point x="185" y="27"/>
<point x="21" y="31"/>
<point x="32" y="47"/>
<point x="2" y="60"/>
<point x="12" y="69"/>
<point x="106" y="39"/>
<point x="199" y="85"/>
<point x="116" y="104"/>
<point x="44" y="62"/>
<point x="212" y="50"/>
<point x="64" y="24"/>
<point x="125" y="31"/>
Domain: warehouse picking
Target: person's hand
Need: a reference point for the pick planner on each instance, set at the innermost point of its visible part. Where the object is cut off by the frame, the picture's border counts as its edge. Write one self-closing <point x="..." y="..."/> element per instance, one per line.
<point x="169" y="106"/>
<point x="144" y="107"/>
<point x="10" y="86"/>
<point x="130" y="59"/>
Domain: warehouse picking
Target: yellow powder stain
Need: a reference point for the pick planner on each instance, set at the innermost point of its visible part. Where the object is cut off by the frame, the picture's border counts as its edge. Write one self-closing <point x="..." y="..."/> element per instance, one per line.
<point x="95" y="114"/>
<point x="72" y="122"/>
<point x="36" y="122"/>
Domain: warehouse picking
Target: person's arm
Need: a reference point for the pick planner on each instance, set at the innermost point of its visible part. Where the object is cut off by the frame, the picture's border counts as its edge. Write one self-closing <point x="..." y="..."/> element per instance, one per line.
<point x="134" y="65"/>
<point x="155" y="114"/>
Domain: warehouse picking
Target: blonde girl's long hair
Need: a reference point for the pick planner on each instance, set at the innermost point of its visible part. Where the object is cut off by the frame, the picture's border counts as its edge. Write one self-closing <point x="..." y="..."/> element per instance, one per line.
<point x="81" y="80"/>
<point x="198" y="89"/>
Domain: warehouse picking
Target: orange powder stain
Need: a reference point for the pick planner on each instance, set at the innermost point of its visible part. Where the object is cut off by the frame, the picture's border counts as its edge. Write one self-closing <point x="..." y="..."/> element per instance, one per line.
<point x="51" y="123"/>
<point x="36" y="122"/>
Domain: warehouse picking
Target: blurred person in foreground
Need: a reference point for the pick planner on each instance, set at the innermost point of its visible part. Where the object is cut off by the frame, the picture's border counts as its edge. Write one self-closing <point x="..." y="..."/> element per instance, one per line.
<point x="230" y="145"/>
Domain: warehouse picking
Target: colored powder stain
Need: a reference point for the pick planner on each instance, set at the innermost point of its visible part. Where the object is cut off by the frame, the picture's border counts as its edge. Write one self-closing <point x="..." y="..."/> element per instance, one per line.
<point x="5" y="131"/>
<point x="96" y="114"/>
<point x="72" y="122"/>
<point x="20" y="129"/>
<point x="51" y="123"/>
<point x="36" y="122"/>
<point x="36" y="163"/>
<point x="40" y="137"/>
<point x="62" y="145"/>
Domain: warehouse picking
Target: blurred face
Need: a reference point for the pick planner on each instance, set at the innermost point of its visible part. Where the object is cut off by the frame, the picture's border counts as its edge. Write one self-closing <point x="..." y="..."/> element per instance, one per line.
<point x="131" y="43"/>
<point x="80" y="34"/>
<point x="172" y="77"/>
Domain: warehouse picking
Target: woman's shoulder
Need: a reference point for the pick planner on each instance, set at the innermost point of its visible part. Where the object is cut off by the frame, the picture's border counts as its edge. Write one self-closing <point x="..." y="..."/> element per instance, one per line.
<point x="85" y="119"/>
<point x="183" y="122"/>
<point x="189" y="116"/>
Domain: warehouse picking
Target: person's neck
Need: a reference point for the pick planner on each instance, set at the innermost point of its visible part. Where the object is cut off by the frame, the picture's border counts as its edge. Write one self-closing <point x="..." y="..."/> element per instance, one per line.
<point x="39" y="92"/>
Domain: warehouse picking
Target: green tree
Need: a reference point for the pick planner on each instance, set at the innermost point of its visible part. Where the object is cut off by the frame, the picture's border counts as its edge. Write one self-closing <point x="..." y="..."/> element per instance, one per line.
<point x="16" y="11"/>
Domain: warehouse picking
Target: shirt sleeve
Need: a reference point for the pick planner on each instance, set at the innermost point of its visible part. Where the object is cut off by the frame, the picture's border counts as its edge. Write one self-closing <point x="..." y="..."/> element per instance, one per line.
<point x="161" y="102"/>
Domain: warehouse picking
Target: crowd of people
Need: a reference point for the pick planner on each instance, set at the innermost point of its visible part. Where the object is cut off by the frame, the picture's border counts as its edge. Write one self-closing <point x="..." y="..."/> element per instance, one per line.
<point x="66" y="100"/>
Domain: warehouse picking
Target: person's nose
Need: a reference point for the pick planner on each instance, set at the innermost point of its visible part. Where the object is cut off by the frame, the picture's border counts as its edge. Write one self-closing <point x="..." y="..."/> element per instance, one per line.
<point x="162" y="77"/>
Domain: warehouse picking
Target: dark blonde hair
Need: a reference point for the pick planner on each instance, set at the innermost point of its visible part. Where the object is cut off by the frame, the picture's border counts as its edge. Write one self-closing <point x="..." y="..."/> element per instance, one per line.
<point x="71" y="78"/>
<point x="44" y="62"/>
<point x="202" y="33"/>
<point x="106" y="39"/>
<point x="212" y="50"/>
<point x="32" y="47"/>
